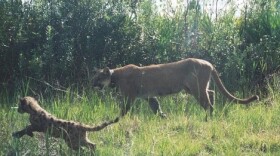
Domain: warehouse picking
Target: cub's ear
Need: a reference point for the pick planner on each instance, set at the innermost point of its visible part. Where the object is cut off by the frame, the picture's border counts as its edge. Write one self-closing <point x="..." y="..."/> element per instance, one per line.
<point x="106" y="71"/>
<point x="37" y="97"/>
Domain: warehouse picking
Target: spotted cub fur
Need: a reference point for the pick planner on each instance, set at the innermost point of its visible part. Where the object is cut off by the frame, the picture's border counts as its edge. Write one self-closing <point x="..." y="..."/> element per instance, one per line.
<point x="72" y="132"/>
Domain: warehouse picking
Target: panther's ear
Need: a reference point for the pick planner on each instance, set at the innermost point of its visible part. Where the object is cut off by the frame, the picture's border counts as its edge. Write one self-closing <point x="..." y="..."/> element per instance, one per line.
<point x="95" y="69"/>
<point x="106" y="71"/>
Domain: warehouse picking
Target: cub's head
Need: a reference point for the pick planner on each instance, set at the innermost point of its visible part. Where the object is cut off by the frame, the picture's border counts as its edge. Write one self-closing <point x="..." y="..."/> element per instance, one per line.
<point x="102" y="78"/>
<point x="27" y="104"/>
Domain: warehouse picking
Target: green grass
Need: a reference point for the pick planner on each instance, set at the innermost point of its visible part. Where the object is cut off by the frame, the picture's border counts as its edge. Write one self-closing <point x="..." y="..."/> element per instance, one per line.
<point x="233" y="130"/>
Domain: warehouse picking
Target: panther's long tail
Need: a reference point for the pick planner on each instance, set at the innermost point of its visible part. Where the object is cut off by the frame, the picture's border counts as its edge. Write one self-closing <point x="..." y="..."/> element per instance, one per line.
<point x="224" y="91"/>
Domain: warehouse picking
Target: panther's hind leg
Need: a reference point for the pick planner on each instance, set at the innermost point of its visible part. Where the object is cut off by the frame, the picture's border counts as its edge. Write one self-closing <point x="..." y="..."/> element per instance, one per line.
<point x="155" y="106"/>
<point x="211" y="94"/>
<point x="204" y="100"/>
<point x="200" y="91"/>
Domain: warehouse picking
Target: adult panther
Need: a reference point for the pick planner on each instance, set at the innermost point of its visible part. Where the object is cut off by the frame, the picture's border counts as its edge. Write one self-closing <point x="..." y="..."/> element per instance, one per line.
<point x="192" y="75"/>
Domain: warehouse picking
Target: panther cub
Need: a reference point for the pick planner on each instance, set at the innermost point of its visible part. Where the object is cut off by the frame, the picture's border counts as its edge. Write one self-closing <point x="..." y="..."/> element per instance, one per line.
<point x="72" y="132"/>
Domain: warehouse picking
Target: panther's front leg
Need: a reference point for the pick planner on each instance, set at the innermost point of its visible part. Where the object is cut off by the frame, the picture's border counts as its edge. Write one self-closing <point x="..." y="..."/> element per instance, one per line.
<point x="126" y="104"/>
<point x="28" y="131"/>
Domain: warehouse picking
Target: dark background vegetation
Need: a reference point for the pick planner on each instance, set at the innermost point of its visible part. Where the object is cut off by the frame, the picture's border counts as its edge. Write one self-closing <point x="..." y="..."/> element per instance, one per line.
<point x="61" y="41"/>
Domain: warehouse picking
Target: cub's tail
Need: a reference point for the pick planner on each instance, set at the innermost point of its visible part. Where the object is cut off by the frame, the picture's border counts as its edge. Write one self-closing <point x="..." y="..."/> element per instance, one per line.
<point x="101" y="126"/>
<point x="224" y="91"/>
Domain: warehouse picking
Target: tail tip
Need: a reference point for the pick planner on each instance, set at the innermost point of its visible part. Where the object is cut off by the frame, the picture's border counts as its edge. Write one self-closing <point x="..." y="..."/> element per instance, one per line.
<point x="117" y="119"/>
<point x="253" y="98"/>
<point x="256" y="97"/>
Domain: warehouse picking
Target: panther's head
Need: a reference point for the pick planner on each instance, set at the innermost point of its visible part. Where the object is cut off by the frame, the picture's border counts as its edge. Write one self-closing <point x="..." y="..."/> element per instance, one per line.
<point x="102" y="78"/>
<point x="27" y="104"/>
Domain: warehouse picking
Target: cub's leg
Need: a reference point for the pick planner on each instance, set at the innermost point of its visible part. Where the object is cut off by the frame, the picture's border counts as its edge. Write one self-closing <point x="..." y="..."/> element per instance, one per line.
<point x="28" y="130"/>
<point x="155" y="106"/>
<point x="90" y="145"/>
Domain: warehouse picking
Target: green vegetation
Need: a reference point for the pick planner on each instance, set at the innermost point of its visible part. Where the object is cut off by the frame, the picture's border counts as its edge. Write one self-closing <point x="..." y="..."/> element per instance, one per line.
<point x="233" y="130"/>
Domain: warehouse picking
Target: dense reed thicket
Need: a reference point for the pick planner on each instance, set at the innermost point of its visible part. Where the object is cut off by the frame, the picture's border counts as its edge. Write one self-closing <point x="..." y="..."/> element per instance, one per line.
<point x="60" y="42"/>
